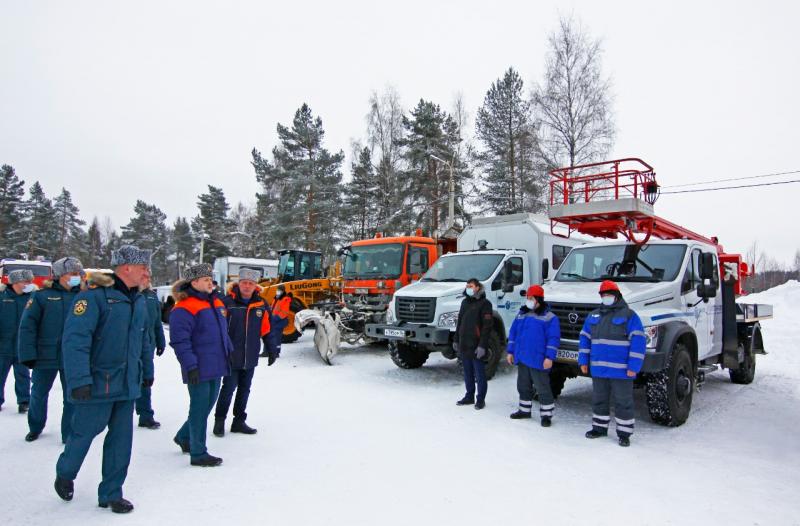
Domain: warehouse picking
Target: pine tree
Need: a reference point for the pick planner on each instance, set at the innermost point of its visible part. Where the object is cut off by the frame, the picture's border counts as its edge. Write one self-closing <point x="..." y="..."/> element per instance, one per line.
<point x="384" y="135"/>
<point x="213" y="223"/>
<point x="430" y="133"/>
<point x="94" y="248"/>
<point x="147" y="229"/>
<point x="302" y="194"/>
<point x="12" y="190"/>
<point x="71" y="238"/>
<point x="505" y="128"/>
<point x="39" y="226"/>
<point x="362" y="197"/>
<point x="184" y="245"/>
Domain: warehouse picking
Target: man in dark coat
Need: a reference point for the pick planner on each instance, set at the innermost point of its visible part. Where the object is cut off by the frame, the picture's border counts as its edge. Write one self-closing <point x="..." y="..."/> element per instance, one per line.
<point x="248" y="326"/>
<point x="40" y="340"/>
<point x="102" y="346"/>
<point x="471" y="341"/>
<point x="199" y="334"/>
<point x="13" y="299"/>
<point x="156" y="342"/>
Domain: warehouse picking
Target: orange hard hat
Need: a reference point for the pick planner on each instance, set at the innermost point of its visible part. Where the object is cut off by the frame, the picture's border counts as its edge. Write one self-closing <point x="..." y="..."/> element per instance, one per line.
<point x="535" y="291"/>
<point x="608" y="286"/>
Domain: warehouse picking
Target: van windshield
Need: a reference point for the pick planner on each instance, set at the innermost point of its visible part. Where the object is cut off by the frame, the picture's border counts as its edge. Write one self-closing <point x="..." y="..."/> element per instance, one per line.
<point x="461" y="268"/>
<point x="648" y="263"/>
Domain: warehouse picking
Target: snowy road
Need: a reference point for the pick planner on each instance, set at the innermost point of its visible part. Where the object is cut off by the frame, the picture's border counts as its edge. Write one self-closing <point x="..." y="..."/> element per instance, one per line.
<point x="365" y="443"/>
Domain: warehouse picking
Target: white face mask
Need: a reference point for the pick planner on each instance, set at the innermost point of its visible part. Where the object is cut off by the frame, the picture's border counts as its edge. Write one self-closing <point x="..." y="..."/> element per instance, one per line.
<point x="74" y="281"/>
<point x="27" y="289"/>
<point x="470" y="291"/>
<point x="607" y="300"/>
<point x="530" y="304"/>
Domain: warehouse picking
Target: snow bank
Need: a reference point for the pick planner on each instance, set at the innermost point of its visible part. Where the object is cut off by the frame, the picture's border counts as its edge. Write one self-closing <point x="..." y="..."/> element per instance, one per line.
<point x="365" y="443"/>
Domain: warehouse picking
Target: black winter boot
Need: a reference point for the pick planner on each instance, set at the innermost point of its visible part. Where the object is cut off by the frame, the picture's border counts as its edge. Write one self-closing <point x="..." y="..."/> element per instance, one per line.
<point x="519" y="414"/>
<point x="546" y="422"/>
<point x="624" y="441"/>
<point x="30" y="437"/>
<point x="480" y="404"/>
<point x="23" y="407"/>
<point x="465" y="401"/>
<point x="596" y="434"/>
<point x="206" y="461"/>
<point x="65" y="488"/>
<point x="219" y="427"/>
<point x="149" y="424"/>
<point x="118" y="506"/>
<point x="240" y="426"/>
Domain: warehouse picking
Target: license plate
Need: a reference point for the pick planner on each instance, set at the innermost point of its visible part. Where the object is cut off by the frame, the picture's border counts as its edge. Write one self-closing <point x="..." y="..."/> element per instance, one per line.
<point x="570" y="356"/>
<point x="362" y="291"/>
<point x="396" y="333"/>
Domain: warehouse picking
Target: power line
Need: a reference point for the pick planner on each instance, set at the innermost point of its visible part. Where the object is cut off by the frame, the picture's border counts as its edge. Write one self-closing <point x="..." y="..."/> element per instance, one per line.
<point x="730" y="187"/>
<point x="732" y="179"/>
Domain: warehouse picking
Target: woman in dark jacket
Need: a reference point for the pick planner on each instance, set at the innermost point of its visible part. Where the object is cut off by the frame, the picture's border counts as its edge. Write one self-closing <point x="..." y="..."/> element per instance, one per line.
<point x="471" y="341"/>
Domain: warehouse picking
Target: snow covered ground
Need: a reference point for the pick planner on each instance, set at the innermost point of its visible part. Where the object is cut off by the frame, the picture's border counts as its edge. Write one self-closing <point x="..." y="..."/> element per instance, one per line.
<point x="364" y="442"/>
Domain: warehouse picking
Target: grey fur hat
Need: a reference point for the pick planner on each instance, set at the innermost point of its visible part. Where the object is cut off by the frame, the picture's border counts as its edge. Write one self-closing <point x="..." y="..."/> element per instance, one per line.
<point x="249" y="274"/>
<point x="131" y="255"/>
<point x="203" y="270"/>
<point x="67" y="265"/>
<point x="16" y="276"/>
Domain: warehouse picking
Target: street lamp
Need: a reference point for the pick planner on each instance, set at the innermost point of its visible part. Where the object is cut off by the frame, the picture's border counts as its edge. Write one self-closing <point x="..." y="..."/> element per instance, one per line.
<point x="451" y="205"/>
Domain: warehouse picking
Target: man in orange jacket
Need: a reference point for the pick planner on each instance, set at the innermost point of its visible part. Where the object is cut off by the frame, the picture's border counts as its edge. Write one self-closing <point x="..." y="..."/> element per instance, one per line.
<point x="279" y="318"/>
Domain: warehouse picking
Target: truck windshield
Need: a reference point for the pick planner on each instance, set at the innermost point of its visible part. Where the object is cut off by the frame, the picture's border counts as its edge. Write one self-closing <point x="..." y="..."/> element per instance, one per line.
<point x="648" y="263"/>
<point x="374" y="261"/>
<point x="38" y="270"/>
<point x="463" y="267"/>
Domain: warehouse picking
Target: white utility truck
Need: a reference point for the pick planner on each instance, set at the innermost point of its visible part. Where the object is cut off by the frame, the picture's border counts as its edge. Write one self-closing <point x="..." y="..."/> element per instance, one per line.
<point x="226" y="269"/>
<point x="506" y="254"/>
<point x="681" y="284"/>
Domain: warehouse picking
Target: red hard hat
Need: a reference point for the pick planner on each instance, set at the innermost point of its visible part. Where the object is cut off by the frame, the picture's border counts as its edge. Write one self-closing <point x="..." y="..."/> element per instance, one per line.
<point x="608" y="286"/>
<point x="535" y="291"/>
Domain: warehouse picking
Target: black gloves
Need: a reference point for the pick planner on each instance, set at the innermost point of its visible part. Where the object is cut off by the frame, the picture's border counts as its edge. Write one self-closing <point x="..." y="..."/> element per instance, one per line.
<point x="193" y="376"/>
<point x="148" y="382"/>
<point x="272" y="358"/>
<point x="82" y="393"/>
<point x="159" y="351"/>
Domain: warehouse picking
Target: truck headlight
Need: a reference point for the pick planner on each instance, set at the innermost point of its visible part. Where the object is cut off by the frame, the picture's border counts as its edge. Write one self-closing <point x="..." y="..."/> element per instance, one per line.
<point x="448" y="319"/>
<point x="390" y="313"/>
<point x="651" y="333"/>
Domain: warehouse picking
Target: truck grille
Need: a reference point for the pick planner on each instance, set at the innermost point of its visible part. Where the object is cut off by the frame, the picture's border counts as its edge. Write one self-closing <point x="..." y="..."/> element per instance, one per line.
<point x="571" y="317"/>
<point x="416" y="310"/>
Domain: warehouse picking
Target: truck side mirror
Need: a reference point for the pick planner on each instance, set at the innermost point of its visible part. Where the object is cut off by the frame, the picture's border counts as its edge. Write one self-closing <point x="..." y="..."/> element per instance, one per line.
<point x="707" y="290"/>
<point x="545" y="269"/>
<point x="507" y="276"/>
<point x="706" y="266"/>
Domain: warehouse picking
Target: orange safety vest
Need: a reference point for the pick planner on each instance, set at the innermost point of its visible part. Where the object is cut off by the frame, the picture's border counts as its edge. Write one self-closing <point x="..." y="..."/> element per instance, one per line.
<point x="280" y="307"/>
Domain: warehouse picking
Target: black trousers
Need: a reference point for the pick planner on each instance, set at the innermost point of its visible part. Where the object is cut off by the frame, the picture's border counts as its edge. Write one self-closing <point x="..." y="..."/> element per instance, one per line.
<point x="238" y="381"/>
<point x="621" y="390"/>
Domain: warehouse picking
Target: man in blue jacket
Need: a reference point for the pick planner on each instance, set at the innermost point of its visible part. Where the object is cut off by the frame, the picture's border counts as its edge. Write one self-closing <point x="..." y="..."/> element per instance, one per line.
<point x="40" y="340"/>
<point x="199" y="334"/>
<point x="532" y="344"/>
<point x="612" y="346"/>
<point x="156" y="342"/>
<point x="248" y="326"/>
<point x="13" y="299"/>
<point x="102" y="347"/>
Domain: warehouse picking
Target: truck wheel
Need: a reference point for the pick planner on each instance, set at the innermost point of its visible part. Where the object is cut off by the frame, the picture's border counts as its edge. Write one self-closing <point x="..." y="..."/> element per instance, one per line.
<point x="495" y="351"/>
<point x="406" y="356"/>
<point x="290" y="332"/>
<point x="669" y="392"/>
<point x="746" y="372"/>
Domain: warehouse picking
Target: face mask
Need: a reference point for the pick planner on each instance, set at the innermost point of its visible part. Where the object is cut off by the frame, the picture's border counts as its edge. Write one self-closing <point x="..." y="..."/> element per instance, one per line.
<point x="27" y="289"/>
<point x="470" y="292"/>
<point x="530" y="304"/>
<point x="607" y="300"/>
<point x="74" y="281"/>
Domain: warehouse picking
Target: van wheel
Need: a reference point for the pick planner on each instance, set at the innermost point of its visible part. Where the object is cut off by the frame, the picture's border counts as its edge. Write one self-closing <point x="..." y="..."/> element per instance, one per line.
<point x="669" y="392"/>
<point x="495" y="352"/>
<point x="406" y="356"/>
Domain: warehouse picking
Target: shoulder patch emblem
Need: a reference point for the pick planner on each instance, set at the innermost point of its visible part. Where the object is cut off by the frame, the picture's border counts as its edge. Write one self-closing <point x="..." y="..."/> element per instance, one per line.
<point x="80" y="307"/>
<point x="259" y="313"/>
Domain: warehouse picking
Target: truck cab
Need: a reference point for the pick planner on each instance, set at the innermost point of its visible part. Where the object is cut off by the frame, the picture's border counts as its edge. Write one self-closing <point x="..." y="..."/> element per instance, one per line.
<point x="506" y="254"/>
<point x="374" y="269"/>
<point x="42" y="270"/>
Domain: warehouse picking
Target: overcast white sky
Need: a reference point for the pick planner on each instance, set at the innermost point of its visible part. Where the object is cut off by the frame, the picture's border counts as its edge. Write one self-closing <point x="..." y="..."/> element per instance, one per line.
<point x="156" y="99"/>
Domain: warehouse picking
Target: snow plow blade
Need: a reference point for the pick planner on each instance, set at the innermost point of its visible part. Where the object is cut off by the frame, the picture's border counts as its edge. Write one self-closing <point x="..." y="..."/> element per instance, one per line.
<point x="326" y="334"/>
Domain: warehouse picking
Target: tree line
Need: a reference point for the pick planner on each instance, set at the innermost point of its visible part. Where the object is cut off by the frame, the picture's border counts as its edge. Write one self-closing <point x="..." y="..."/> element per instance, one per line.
<point x="399" y="176"/>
